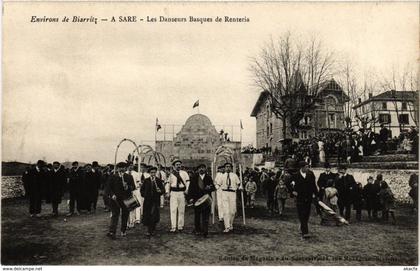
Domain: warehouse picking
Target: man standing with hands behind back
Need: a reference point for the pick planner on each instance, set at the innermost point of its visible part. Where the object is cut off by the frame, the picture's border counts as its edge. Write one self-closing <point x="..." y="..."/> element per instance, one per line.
<point x="177" y="186"/>
<point x="304" y="189"/>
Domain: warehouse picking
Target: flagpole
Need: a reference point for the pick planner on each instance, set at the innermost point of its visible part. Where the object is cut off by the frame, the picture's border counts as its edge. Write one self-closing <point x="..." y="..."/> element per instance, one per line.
<point x="156" y="132"/>
<point x="240" y="134"/>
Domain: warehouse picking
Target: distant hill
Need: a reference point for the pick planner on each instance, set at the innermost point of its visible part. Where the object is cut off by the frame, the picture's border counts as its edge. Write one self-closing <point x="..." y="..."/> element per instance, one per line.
<point x="13" y="168"/>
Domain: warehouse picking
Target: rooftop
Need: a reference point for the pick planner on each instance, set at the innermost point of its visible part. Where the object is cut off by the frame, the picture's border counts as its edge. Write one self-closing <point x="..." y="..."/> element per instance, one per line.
<point x="391" y="95"/>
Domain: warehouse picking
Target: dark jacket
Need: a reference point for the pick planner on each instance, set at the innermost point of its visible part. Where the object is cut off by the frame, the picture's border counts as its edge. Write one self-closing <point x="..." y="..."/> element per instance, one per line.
<point x="35" y="183"/>
<point x="115" y="186"/>
<point x="323" y="181"/>
<point x="346" y="187"/>
<point x="57" y="184"/>
<point x="75" y="180"/>
<point x="195" y="192"/>
<point x="305" y="187"/>
<point x="151" y="204"/>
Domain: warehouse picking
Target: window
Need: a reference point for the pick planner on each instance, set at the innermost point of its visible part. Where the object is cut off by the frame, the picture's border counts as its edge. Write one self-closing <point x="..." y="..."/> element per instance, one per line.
<point x="271" y="128"/>
<point x="403" y="119"/>
<point x="403" y="106"/>
<point x="384" y="106"/>
<point x="268" y="131"/>
<point x="384" y="118"/>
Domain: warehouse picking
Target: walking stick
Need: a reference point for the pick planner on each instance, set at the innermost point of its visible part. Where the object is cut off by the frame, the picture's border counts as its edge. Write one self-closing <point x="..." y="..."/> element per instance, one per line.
<point x="242" y="193"/>
<point x="213" y="193"/>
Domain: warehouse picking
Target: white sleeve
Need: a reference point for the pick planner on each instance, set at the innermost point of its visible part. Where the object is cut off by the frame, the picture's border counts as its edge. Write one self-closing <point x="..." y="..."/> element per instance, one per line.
<point x="168" y="184"/>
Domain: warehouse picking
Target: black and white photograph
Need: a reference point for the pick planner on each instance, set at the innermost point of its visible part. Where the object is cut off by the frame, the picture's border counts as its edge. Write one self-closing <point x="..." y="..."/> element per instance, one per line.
<point x="209" y="134"/>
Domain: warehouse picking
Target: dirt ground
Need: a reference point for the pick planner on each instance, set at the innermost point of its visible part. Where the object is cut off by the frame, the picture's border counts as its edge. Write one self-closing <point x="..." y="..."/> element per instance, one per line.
<point x="264" y="240"/>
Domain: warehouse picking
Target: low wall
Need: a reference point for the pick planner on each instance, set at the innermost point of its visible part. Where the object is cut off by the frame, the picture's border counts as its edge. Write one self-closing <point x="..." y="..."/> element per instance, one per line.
<point x="12" y="187"/>
<point x="396" y="178"/>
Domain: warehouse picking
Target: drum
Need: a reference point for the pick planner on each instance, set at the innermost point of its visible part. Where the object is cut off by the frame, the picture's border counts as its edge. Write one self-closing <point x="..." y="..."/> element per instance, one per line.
<point x="204" y="201"/>
<point x="131" y="203"/>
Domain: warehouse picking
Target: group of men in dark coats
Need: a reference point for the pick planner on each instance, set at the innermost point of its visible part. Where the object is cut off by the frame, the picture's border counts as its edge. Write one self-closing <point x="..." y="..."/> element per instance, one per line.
<point x="49" y="183"/>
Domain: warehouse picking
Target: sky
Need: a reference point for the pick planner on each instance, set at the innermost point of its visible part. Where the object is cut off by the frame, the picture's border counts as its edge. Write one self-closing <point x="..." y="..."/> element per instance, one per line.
<point x="73" y="91"/>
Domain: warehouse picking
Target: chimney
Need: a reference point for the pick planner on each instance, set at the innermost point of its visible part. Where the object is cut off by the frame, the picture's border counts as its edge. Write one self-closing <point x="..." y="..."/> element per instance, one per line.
<point x="370" y="95"/>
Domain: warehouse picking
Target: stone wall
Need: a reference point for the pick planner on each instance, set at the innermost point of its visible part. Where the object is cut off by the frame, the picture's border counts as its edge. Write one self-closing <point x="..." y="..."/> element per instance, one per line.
<point x="11" y="186"/>
<point x="396" y="178"/>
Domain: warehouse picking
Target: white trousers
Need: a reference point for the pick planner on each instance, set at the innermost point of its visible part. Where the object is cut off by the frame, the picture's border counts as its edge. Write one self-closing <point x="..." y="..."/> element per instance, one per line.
<point x="229" y="208"/>
<point x="177" y="203"/>
<point x="136" y="213"/>
<point x="162" y="201"/>
<point x="219" y="204"/>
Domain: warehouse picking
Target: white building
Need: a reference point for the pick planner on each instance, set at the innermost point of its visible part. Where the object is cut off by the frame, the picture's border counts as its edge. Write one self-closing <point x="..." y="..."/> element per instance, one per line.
<point x="397" y="110"/>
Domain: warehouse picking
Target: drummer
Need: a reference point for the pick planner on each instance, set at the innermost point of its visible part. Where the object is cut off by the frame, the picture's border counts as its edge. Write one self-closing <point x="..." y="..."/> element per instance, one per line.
<point x="119" y="188"/>
<point x="176" y="188"/>
<point x="200" y="189"/>
<point x="134" y="217"/>
<point x="229" y="183"/>
<point x="219" y="174"/>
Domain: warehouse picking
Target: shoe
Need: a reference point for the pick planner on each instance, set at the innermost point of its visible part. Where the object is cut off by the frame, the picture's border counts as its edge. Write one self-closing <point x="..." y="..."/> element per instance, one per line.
<point x="111" y="235"/>
<point x="77" y="213"/>
<point x="123" y="234"/>
<point x="306" y="236"/>
<point x="31" y="215"/>
<point x="226" y="231"/>
<point x="69" y="214"/>
<point x="38" y="215"/>
<point x="137" y="222"/>
<point x="172" y="230"/>
<point x="148" y="234"/>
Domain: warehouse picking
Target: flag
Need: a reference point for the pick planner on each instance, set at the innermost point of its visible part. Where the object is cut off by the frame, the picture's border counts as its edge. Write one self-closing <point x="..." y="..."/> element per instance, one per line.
<point x="242" y="127"/>
<point x="197" y="103"/>
<point x="157" y="125"/>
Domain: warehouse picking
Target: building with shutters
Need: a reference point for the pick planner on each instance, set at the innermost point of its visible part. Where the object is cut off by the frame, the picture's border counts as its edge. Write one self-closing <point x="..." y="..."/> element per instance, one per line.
<point x="397" y="110"/>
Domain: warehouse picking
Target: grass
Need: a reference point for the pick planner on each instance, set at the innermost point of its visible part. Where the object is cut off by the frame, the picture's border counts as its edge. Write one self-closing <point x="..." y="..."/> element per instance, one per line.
<point x="264" y="240"/>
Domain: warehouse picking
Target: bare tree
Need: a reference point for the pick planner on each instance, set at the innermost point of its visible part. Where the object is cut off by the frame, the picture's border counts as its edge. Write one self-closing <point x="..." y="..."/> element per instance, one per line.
<point x="292" y="73"/>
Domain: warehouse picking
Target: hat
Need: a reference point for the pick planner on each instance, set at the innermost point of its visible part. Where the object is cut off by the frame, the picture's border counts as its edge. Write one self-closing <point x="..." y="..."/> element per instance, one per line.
<point x="220" y="167"/>
<point x="74" y="163"/>
<point x="95" y="164"/>
<point x="176" y="161"/>
<point x="302" y="164"/>
<point x="342" y="166"/>
<point x="201" y="165"/>
<point x="121" y="165"/>
<point x="327" y="165"/>
<point x="227" y="163"/>
<point x="152" y="168"/>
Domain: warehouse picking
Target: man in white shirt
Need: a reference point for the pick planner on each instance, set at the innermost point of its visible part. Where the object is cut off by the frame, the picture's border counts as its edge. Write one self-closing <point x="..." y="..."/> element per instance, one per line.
<point x="135" y="215"/>
<point x="229" y="182"/>
<point x="176" y="189"/>
<point x="219" y="174"/>
<point x="161" y="174"/>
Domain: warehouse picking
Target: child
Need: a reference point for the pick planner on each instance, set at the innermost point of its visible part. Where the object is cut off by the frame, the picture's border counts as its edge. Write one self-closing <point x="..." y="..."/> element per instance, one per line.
<point x="387" y="200"/>
<point x="358" y="201"/>
<point x="280" y="194"/>
<point x="370" y="194"/>
<point x="251" y="189"/>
